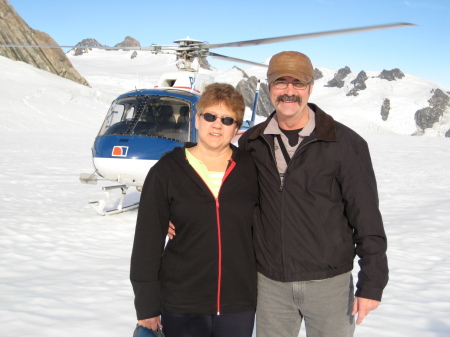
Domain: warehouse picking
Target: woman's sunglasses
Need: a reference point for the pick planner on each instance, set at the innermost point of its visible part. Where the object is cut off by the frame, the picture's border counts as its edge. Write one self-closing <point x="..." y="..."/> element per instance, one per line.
<point x="209" y="117"/>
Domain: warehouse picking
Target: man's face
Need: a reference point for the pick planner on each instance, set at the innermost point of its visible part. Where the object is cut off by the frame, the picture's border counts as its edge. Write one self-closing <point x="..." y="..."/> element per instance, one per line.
<point x="289" y="101"/>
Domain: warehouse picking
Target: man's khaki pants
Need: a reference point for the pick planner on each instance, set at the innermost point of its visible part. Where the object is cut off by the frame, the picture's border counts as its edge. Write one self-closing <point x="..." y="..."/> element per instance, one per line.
<point x="325" y="305"/>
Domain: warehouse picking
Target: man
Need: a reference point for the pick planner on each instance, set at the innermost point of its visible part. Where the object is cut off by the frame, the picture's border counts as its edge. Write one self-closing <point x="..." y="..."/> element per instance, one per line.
<point x="319" y="207"/>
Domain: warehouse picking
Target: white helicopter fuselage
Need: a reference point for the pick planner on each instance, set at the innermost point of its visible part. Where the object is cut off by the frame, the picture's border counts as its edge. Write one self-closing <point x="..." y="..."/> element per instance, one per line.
<point x="130" y="172"/>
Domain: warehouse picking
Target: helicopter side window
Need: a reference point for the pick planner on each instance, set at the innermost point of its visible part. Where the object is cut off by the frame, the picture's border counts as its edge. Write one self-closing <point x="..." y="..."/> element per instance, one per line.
<point x="182" y="127"/>
<point x="129" y="114"/>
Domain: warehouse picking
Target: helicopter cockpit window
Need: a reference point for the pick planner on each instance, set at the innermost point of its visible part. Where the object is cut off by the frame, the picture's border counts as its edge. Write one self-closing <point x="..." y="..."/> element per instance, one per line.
<point x="166" y="118"/>
<point x="151" y="116"/>
<point x="146" y="126"/>
<point x="119" y="118"/>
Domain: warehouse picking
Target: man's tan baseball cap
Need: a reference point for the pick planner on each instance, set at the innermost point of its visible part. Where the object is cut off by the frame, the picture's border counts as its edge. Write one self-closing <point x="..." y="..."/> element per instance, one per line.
<point x="290" y="63"/>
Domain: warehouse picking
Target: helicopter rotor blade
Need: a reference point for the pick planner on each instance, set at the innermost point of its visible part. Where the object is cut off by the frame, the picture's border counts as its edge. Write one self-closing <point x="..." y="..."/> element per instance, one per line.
<point x="308" y="35"/>
<point x="194" y="48"/>
<point x="228" y="58"/>
<point x="155" y="48"/>
<point x="56" y="46"/>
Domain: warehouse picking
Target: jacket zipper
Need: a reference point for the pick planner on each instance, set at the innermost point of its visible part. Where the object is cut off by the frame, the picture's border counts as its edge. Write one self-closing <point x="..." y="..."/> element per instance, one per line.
<point x="219" y="265"/>
<point x="280" y="189"/>
<point x="219" y="237"/>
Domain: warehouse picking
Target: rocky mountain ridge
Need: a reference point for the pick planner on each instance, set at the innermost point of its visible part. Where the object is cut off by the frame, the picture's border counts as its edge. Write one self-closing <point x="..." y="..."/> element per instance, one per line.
<point x="14" y="30"/>
<point x="437" y="112"/>
<point x="127" y="42"/>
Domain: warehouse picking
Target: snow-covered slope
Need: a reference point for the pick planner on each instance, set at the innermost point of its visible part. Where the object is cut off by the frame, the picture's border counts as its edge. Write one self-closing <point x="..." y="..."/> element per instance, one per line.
<point x="34" y="100"/>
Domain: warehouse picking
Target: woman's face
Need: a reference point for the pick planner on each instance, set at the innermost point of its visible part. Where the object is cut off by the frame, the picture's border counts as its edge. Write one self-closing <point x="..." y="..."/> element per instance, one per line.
<point x="215" y="135"/>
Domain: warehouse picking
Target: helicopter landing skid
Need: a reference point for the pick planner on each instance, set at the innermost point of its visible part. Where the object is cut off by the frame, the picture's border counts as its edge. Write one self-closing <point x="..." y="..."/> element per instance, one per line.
<point x="99" y="206"/>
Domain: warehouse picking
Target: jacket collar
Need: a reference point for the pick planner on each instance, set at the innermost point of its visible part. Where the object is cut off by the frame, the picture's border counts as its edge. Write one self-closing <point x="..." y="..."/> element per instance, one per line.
<point x="179" y="154"/>
<point x="325" y="125"/>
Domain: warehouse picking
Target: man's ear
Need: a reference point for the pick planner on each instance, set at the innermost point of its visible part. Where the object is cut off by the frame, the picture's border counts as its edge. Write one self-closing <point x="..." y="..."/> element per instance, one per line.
<point x="311" y="85"/>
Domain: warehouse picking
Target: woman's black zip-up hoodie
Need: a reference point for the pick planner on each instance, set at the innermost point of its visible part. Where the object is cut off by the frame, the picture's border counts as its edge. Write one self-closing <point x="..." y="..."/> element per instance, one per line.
<point x="209" y="267"/>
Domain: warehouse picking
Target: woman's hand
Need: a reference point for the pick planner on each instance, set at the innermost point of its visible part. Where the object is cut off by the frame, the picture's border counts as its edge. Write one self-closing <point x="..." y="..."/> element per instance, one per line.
<point x="151" y="323"/>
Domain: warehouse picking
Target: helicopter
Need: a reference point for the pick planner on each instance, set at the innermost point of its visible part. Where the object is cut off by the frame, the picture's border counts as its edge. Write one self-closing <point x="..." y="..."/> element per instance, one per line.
<point x="143" y="124"/>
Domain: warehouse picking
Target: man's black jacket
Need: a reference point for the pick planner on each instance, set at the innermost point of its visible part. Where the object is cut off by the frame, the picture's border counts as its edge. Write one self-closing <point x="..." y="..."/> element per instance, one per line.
<point x="324" y="212"/>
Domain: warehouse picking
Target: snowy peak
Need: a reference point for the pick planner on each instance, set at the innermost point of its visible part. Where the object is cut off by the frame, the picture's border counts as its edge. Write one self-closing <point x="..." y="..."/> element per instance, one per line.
<point x="85" y="42"/>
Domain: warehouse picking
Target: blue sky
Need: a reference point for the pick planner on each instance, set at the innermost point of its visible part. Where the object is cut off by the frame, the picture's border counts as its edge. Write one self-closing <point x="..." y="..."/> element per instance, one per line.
<point x="422" y="51"/>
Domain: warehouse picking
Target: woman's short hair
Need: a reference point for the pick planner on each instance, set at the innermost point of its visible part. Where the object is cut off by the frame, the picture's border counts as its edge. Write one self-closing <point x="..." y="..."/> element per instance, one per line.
<point x="225" y="93"/>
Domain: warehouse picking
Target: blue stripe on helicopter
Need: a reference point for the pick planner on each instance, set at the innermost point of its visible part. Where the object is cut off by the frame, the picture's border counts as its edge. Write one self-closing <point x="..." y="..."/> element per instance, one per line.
<point x="138" y="147"/>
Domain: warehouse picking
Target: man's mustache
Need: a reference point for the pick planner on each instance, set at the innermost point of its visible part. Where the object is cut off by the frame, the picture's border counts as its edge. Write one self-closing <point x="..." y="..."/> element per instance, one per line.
<point x="289" y="99"/>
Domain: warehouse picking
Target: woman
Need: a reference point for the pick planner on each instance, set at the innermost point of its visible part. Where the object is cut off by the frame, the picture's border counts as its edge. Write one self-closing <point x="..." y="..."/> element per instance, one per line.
<point x="203" y="283"/>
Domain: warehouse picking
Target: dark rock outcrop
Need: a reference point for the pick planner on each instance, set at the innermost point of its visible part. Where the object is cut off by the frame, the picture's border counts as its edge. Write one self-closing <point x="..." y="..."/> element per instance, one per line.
<point x="13" y="30"/>
<point x="359" y="83"/>
<point x="440" y="100"/>
<point x="86" y="43"/>
<point x="391" y="75"/>
<point x="247" y="87"/>
<point x="128" y="42"/>
<point x="338" y="80"/>
<point x="447" y="134"/>
<point x="385" y="108"/>
<point x="426" y="117"/>
<point x="317" y="74"/>
<point x="203" y="62"/>
<point x="134" y="55"/>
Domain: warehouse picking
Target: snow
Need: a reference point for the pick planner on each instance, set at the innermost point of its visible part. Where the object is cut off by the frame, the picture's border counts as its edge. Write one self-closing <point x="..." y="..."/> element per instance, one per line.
<point x="64" y="269"/>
